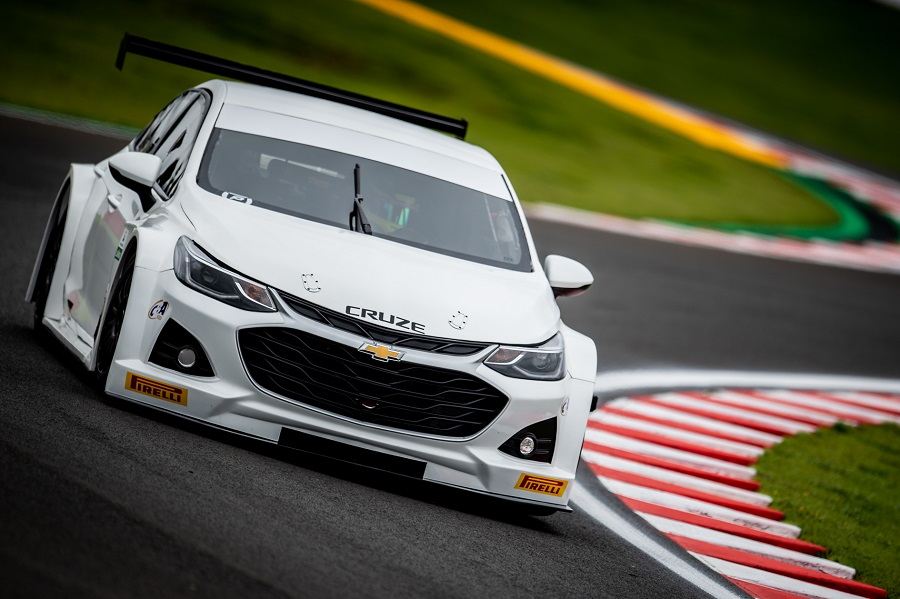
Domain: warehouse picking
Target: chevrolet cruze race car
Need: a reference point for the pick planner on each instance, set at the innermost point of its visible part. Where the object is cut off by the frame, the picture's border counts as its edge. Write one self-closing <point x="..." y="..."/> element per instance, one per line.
<point x="334" y="278"/>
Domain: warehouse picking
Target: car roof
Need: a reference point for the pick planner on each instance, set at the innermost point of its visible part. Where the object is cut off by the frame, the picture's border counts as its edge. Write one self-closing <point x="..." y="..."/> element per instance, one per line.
<point x="355" y="119"/>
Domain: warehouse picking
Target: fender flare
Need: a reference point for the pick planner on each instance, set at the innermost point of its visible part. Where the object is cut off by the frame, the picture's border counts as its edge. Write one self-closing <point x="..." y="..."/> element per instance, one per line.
<point x="153" y="249"/>
<point x="581" y="355"/>
<point x="131" y="246"/>
<point x="78" y="183"/>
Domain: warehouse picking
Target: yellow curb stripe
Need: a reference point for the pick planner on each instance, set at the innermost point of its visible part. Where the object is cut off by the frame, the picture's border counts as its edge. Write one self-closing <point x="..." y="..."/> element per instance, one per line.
<point x="591" y="84"/>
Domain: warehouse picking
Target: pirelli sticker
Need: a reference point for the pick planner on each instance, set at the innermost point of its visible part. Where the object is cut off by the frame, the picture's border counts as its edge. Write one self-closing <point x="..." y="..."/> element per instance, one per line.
<point x="156" y="389"/>
<point x="542" y="484"/>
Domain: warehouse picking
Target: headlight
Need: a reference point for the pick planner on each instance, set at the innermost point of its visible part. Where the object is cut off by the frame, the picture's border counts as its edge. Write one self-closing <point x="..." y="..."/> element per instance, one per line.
<point x="544" y="363"/>
<point x="197" y="270"/>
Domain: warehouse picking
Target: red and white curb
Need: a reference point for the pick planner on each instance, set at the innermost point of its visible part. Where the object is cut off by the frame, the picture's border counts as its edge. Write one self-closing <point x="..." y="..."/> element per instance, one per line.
<point x="683" y="461"/>
<point x="871" y="188"/>
<point x="872" y="256"/>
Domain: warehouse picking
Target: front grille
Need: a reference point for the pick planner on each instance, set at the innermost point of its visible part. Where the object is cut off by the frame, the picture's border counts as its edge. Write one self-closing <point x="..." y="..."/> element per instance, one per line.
<point x="380" y="333"/>
<point x="341" y="380"/>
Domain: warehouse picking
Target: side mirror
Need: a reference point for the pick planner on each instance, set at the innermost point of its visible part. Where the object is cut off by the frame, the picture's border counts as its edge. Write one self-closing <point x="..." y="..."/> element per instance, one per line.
<point x="135" y="170"/>
<point x="567" y="277"/>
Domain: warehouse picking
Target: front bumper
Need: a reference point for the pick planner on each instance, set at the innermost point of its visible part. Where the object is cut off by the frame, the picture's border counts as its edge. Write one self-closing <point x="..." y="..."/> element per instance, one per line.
<point x="231" y="400"/>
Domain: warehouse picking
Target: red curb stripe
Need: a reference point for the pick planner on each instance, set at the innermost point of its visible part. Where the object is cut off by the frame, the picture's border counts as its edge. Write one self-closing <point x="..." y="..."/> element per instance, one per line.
<point x="778" y="567"/>
<point x="760" y="592"/>
<point x="758" y="425"/>
<point x="857" y="403"/>
<point x="885" y="395"/>
<point x="723" y="526"/>
<point x="674" y="443"/>
<point x="749" y="485"/>
<point x="782" y="409"/>
<point x="757" y="409"/>
<point x="837" y="413"/>
<point x="652" y="483"/>
<point x="686" y="427"/>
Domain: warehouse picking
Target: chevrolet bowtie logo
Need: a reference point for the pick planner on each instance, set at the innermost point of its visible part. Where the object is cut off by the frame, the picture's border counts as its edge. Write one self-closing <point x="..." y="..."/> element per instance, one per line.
<point x="380" y="352"/>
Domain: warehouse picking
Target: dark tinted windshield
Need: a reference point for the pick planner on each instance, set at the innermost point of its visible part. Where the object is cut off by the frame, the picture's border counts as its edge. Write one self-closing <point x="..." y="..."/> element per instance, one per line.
<point x="401" y="205"/>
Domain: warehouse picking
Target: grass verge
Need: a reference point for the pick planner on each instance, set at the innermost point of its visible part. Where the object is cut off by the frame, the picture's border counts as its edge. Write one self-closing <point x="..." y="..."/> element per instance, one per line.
<point x="811" y="70"/>
<point x="840" y="486"/>
<point x="557" y="145"/>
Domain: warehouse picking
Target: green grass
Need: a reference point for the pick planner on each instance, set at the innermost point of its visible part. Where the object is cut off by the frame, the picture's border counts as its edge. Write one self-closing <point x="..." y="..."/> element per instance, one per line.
<point x="840" y="485"/>
<point x="557" y="145"/>
<point x="818" y="71"/>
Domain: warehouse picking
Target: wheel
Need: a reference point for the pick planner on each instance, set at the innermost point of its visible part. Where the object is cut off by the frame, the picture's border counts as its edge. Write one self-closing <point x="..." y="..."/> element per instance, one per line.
<point x="108" y="336"/>
<point x="48" y="260"/>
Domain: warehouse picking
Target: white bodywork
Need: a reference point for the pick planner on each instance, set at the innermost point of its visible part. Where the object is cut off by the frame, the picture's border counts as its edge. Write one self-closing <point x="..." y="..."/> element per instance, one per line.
<point x="106" y="219"/>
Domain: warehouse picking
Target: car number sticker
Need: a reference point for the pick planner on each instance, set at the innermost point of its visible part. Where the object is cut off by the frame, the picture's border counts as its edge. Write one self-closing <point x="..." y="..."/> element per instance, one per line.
<point x="121" y="247"/>
<point x="156" y="389"/>
<point x="541" y="484"/>
<point x="236" y="197"/>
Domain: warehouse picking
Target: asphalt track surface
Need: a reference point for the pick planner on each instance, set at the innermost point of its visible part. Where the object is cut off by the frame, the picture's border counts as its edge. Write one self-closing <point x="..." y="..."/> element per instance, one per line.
<point x="98" y="498"/>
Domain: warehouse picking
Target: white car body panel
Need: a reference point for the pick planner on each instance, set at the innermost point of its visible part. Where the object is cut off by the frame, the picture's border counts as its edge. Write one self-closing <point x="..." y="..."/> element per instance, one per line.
<point x="375" y="273"/>
<point x="351" y="271"/>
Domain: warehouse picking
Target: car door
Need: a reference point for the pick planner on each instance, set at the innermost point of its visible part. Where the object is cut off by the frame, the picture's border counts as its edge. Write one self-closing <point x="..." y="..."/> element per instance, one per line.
<point x="110" y="206"/>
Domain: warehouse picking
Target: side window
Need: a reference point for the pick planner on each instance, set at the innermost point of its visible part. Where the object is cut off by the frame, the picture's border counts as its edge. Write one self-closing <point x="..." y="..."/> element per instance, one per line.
<point x="149" y="139"/>
<point x="175" y="148"/>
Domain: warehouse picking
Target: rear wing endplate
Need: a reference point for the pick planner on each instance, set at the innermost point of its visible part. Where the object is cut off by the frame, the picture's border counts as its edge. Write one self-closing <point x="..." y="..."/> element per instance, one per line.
<point x="241" y="72"/>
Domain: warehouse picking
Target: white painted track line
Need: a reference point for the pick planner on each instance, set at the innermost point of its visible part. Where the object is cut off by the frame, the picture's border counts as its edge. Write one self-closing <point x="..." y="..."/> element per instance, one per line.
<point x="614" y="521"/>
<point x="619" y="383"/>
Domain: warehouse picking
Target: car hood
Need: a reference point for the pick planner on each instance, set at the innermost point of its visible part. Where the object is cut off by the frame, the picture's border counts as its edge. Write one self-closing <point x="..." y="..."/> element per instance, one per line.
<point x="350" y="272"/>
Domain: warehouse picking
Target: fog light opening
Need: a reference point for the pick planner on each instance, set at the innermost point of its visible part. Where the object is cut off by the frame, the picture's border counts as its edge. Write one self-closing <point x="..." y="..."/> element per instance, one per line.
<point x="187" y="357"/>
<point x="527" y="445"/>
<point x="534" y="442"/>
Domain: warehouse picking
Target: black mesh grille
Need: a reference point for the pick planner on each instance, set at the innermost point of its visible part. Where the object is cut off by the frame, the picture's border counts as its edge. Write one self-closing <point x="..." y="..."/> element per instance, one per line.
<point x="344" y="381"/>
<point x="379" y="333"/>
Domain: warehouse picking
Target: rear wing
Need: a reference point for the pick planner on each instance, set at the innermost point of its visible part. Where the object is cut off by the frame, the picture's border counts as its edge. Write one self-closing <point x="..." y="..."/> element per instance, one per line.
<point x="241" y="72"/>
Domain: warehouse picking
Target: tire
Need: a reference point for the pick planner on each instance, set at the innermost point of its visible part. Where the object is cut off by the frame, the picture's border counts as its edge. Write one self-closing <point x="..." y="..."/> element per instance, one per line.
<point x="49" y="259"/>
<point x="111" y="327"/>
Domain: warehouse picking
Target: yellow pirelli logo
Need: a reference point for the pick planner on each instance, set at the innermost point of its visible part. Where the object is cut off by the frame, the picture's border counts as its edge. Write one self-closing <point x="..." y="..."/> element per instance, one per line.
<point x="156" y="389"/>
<point x="542" y="484"/>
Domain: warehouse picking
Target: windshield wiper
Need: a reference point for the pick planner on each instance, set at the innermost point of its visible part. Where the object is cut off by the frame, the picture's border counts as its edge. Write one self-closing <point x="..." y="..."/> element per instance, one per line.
<point x="358" y="220"/>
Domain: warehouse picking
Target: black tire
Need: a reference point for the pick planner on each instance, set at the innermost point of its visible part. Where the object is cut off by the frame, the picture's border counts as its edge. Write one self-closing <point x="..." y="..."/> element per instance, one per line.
<point x="48" y="260"/>
<point x="111" y="327"/>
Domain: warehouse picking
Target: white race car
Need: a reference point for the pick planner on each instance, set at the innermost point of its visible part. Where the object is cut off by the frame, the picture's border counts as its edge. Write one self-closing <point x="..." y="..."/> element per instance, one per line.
<point x="325" y="271"/>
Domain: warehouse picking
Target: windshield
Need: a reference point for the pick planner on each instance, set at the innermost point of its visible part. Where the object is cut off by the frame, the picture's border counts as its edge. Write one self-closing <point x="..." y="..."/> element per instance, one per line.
<point x="401" y="205"/>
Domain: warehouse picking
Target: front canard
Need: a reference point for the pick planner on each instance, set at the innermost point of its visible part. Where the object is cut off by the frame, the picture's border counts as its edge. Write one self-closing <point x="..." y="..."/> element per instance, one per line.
<point x="542" y="484"/>
<point x="156" y="389"/>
